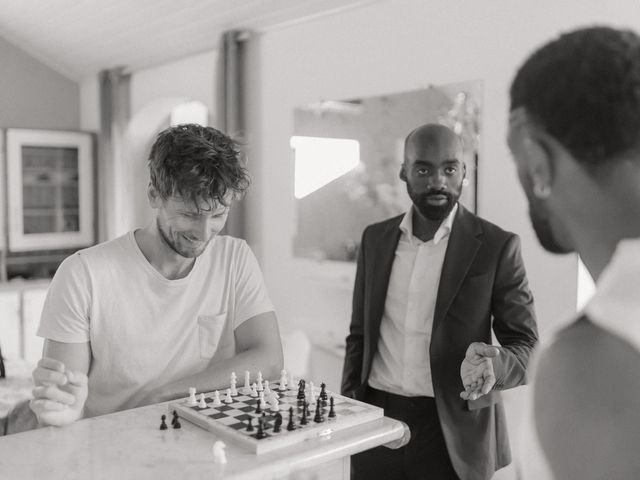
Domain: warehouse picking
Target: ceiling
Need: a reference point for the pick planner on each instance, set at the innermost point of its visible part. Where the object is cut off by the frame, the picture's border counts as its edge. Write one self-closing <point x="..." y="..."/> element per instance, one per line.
<point x="78" y="38"/>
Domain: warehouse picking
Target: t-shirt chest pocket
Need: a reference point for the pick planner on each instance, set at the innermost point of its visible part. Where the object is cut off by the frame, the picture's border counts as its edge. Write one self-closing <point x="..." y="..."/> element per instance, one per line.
<point x="210" y="330"/>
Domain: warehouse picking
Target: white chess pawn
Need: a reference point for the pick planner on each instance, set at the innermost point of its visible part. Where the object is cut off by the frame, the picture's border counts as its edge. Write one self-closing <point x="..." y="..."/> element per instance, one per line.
<point x="312" y="394"/>
<point x="293" y="385"/>
<point x="267" y="390"/>
<point x="247" y="383"/>
<point x="216" y="399"/>
<point x="219" y="455"/>
<point x="234" y="390"/>
<point x="261" y="400"/>
<point x="193" y="401"/>
<point x="202" y="403"/>
<point x="254" y="390"/>
<point x="233" y="376"/>
<point x="228" y="398"/>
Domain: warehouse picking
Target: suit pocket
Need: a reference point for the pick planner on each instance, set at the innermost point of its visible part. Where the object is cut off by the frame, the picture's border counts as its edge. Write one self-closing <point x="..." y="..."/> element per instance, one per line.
<point x="210" y="328"/>
<point x="484" y="401"/>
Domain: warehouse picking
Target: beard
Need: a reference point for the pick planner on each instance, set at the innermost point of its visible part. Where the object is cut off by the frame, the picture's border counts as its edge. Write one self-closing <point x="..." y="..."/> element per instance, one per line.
<point x="429" y="210"/>
<point x="542" y="226"/>
<point x="175" y="243"/>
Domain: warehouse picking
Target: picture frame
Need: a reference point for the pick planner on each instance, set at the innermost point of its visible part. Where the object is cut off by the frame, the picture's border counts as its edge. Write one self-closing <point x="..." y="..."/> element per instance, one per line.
<point x="50" y="189"/>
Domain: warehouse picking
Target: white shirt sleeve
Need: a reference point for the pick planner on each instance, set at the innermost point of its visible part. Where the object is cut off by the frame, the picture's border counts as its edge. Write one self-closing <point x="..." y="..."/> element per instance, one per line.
<point x="66" y="312"/>
<point x="251" y="297"/>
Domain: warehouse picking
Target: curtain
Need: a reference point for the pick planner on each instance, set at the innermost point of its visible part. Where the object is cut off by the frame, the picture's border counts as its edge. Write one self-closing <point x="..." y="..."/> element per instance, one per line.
<point x="230" y="100"/>
<point x="115" y="104"/>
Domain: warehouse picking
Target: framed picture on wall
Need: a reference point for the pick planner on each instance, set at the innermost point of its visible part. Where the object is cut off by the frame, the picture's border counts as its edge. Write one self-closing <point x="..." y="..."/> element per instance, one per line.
<point x="50" y="189"/>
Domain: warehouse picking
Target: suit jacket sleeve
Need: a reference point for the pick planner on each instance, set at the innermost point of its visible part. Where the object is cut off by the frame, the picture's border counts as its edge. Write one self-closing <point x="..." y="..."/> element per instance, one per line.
<point x="352" y="371"/>
<point x="514" y="322"/>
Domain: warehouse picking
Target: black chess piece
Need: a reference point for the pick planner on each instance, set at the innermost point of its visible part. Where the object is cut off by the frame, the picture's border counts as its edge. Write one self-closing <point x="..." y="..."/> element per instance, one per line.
<point x="259" y="407"/>
<point x="303" y="420"/>
<point x="323" y="391"/>
<point x="163" y="425"/>
<point x="174" y="419"/>
<point x="250" y="425"/>
<point x="332" y="412"/>
<point x="277" y="424"/>
<point x="260" y="433"/>
<point x="291" y="425"/>
<point x="318" y="417"/>
<point x="301" y="387"/>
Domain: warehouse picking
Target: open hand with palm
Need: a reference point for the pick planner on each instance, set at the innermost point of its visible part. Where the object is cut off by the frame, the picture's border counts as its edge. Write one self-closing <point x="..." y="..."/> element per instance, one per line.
<point x="476" y="371"/>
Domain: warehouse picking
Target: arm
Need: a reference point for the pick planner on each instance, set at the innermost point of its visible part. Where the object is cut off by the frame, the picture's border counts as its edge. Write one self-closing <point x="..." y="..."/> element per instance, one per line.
<point x="60" y="380"/>
<point x="258" y="347"/>
<point x="585" y="405"/>
<point x="486" y="367"/>
<point x="352" y="370"/>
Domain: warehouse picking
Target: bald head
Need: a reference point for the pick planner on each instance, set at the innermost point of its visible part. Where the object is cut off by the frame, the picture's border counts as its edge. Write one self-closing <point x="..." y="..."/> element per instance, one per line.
<point x="433" y="136"/>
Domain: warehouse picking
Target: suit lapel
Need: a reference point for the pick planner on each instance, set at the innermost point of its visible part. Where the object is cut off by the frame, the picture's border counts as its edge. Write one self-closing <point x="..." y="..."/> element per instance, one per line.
<point x="461" y="250"/>
<point x="381" y="264"/>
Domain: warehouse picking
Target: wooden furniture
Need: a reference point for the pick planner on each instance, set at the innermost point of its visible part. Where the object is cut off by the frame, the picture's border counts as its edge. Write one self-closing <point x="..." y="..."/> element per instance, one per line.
<point x="129" y="445"/>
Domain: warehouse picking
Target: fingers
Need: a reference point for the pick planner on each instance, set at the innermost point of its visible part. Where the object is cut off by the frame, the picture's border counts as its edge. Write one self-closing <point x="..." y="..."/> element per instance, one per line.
<point x="53" y="393"/>
<point x="77" y="379"/>
<point x="40" y="406"/>
<point x="481" y="349"/>
<point x="49" y="371"/>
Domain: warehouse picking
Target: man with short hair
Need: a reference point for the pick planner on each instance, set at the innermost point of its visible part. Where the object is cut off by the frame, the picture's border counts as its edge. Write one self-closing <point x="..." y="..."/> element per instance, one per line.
<point x="163" y="308"/>
<point x="430" y="287"/>
<point x="574" y="132"/>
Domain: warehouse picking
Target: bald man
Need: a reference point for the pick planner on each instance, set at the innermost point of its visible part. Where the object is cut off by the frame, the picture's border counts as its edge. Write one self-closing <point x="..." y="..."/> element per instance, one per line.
<point x="430" y="286"/>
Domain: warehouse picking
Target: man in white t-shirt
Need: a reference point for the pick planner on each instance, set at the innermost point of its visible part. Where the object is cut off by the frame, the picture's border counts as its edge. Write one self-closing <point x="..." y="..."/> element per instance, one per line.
<point x="574" y="133"/>
<point x="140" y="319"/>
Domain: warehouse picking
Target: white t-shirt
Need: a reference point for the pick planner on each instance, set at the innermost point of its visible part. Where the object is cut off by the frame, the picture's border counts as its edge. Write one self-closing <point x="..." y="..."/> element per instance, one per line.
<point x="147" y="331"/>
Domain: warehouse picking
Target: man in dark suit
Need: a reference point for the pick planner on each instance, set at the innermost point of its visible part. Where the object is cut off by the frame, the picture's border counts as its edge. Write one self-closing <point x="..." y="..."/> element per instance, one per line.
<point x="430" y="286"/>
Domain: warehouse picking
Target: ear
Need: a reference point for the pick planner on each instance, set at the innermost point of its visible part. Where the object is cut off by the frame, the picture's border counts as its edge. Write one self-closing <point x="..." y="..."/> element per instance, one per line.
<point x="539" y="154"/>
<point x="403" y="173"/>
<point x="155" y="199"/>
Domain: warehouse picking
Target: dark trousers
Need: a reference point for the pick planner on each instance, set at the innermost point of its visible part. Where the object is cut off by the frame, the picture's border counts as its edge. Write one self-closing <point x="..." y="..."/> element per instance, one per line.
<point x="425" y="457"/>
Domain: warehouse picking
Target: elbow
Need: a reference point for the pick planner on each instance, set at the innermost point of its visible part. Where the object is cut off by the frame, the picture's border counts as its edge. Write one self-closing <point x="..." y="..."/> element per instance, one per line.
<point x="273" y="361"/>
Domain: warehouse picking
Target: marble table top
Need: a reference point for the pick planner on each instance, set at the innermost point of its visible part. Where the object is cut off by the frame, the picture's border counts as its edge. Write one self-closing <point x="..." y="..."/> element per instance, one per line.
<point x="129" y="445"/>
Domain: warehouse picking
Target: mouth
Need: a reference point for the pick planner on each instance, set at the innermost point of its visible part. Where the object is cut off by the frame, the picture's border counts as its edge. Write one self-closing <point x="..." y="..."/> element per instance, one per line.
<point x="191" y="240"/>
<point x="437" y="199"/>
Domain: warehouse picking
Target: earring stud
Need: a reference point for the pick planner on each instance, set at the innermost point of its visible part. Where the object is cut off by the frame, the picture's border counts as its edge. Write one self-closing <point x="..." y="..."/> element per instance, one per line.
<point x="541" y="191"/>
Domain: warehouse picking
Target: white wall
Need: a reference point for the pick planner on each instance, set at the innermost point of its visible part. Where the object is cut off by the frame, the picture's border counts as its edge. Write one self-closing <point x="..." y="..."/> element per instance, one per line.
<point x="395" y="46"/>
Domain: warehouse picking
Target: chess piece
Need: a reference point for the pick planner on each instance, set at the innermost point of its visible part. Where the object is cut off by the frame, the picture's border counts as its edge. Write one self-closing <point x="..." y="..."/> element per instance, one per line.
<point x="292" y="382"/>
<point x="291" y="425"/>
<point x="258" y="407"/>
<point x="283" y="381"/>
<point x="192" y="402"/>
<point x="332" y="412"/>
<point x="247" y="383"/>
<point x="219" y="455"/>
<point x="301" y="386"/>
<point x="232" y="383"/>
<point x="216" y="399"/>
<point x="323" y="392"/>
<point x="254" y="390"/>
<point x="163" y="425"/>
<point x="303" y="420"/>
<point x="312" y="394"/>
<point x="260" y="433"/>
<point x="259" y="379"/>
<point x="318" y="416"/>
<point x="250" y="424"/>
<point x="175" y="421"/>
<point x="202" y="403"/>
<point x="228" y="398"/>
<point x="267" y="390"/>
<point x="275" y="403"/>
<point x="277" y="423"/>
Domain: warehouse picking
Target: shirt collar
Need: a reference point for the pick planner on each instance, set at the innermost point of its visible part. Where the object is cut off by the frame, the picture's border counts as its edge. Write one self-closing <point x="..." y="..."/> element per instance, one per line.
<point x="406" y="226"/>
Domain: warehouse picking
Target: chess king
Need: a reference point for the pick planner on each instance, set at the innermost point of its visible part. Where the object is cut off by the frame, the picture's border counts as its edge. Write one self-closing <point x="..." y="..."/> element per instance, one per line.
<point x="173" y="304"/>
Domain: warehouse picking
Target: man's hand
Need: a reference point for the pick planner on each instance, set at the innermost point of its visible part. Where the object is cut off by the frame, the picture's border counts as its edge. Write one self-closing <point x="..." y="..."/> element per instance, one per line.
<point x="59" y="394"/>
<point x="476" y="370"/>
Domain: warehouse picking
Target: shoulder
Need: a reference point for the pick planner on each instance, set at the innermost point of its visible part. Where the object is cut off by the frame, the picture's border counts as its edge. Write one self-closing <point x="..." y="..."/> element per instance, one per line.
<point x="489" y="229"/>
<point x="383" y="226"/>
<point x="585" y="399"/>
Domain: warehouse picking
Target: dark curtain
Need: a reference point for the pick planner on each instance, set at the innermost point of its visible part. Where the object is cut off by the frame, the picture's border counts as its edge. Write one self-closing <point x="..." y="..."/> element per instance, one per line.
<point x="230" y="99"/>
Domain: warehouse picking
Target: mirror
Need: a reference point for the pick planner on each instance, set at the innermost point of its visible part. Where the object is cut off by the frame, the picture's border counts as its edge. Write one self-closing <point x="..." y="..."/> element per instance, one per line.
<point x="348" y="154"/>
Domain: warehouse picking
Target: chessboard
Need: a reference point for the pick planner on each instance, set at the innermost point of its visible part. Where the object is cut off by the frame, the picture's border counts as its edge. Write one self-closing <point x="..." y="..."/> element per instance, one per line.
<point x="326" y="412"/>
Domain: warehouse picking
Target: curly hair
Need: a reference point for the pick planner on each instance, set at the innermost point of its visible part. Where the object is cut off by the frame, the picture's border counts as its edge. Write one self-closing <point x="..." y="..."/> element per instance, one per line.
<point x="584" y="89"/>
<point x="196" y="163"/>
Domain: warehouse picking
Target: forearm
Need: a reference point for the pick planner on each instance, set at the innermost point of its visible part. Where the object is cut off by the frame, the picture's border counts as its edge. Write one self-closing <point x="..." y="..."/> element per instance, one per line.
<point x="510" y="366"/>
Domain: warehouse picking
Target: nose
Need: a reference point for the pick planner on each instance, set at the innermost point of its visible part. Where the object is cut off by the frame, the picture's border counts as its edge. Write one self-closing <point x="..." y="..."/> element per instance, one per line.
<point x="436" y="179"/>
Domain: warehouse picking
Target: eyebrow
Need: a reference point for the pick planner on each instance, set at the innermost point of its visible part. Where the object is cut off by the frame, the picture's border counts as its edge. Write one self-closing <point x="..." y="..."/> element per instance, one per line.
<point x="425" y="162"/>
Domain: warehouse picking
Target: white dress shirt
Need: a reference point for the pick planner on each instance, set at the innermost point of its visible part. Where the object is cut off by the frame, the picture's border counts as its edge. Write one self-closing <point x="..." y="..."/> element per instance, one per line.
<point x="401" y="364"/>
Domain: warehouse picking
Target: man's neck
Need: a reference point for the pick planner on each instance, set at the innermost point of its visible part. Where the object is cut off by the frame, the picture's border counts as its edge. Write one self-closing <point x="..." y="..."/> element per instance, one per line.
<point x="160" y="255"/>
<point x="424" y="228"/>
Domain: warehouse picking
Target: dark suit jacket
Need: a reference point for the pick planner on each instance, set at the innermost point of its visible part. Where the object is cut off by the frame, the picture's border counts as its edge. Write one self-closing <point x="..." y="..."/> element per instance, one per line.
<point x="483" y="280"/>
